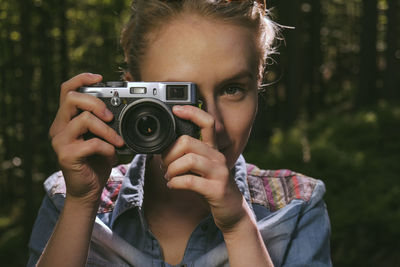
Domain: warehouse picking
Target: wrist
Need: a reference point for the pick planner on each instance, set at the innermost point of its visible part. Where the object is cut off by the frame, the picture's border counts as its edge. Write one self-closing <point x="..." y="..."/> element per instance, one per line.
<point x="245" y="227"/>
<point x="87" y="205"/>
<point x="245" y="224"/>
<point x="245" y="244"/>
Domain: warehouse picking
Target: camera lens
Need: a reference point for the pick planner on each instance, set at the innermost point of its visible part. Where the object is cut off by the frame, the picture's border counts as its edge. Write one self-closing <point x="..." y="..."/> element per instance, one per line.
<point x="147" y="126"/>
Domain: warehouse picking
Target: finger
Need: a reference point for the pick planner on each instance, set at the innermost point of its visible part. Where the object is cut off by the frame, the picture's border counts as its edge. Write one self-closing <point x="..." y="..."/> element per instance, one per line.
<point x="196" y="164"/>
<point x="83" y="149"/>
<point x="87" y="122"/>
<point x="96" y="146"/>
<point x="188" y="163"/>
<point x="76" y="102"/>
<point x="186" y="144"/>
<point x="80" y="80"/>
<point x="201" y="118"/>
<point x="73" y="104"/>
<point x="191" y="182"/>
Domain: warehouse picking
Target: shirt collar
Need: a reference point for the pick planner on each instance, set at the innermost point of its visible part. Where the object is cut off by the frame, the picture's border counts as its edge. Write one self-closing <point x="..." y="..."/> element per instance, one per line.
<point x="132" y="189"/>
<point x="131" y="192"/>
<point x="240" y="175"/>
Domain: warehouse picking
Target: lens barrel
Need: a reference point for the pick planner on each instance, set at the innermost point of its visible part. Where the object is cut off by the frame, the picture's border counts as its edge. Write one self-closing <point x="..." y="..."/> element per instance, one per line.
<point x="147" y="126"/>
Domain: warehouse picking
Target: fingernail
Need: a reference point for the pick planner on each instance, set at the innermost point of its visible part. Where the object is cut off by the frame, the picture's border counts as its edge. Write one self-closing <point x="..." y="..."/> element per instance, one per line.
<point x="96" y="76"/>
<point x="166" y="176"/>
<point x="119" y="139"/>
<point x="108" y="113"/>
<point x="178" y="108"/>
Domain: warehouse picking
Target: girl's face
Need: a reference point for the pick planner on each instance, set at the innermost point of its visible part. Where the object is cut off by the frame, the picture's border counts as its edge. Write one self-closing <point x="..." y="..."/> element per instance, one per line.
<point x="221" y="59"/>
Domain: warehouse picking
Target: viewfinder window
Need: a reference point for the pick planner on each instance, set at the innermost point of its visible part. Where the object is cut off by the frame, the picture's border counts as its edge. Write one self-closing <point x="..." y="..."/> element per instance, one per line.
<point x="177" y="92"/>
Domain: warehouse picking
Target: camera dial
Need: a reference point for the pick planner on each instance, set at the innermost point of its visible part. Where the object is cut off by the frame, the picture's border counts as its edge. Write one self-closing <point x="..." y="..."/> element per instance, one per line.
<point x="115" y="100"/>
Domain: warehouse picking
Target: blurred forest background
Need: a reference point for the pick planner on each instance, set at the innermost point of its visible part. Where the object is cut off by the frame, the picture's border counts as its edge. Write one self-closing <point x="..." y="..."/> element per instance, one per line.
<point x="332" y="110"/>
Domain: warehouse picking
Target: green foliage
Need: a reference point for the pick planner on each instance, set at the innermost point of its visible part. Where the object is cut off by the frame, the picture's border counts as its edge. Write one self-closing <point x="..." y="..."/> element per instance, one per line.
<point x="12" y="238"/>
<point x="357" y="156"/>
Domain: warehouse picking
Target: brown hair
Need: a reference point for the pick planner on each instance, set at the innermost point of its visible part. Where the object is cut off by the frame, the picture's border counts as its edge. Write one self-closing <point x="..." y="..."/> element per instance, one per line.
<point x="149" y="16"/>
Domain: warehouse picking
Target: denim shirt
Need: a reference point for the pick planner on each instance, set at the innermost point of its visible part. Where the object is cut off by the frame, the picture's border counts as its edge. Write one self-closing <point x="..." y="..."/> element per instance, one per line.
<point x="291" y="216"/>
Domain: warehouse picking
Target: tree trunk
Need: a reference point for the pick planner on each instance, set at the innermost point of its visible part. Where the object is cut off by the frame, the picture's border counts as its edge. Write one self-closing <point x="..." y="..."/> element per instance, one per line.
<point x="391" y="76"/>
<point x="7" y="112"/>
<point x="315" y="55"/>
<point x="3" y="126"/>
<point x="294" y="71"/>
<point x="47" y="88"/>
<point x="367" y="90"/>
<point x="64" y="59"/>
<point x="25" y="88"/>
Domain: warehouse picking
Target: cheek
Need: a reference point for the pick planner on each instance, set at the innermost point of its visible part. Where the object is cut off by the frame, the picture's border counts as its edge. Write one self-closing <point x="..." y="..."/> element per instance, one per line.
<point x="241" y="122"/>
<point x="238" y="131"/>
<point x="246" y="121"/>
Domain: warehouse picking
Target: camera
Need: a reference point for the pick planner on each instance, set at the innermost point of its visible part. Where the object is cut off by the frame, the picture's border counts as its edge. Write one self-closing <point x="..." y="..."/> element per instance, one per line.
<point x="143" y="112"/>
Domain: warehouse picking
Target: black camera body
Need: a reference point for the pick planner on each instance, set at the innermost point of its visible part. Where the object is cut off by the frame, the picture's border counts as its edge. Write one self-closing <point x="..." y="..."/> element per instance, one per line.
<point x="143" y="112"/>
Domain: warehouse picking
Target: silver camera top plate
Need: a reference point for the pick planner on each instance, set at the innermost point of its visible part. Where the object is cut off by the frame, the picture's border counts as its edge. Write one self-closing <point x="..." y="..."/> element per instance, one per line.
<point x="167" y="92"/>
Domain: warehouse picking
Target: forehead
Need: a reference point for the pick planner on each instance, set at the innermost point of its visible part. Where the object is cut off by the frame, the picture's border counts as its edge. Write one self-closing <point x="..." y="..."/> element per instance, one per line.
<point x="196" y="47"/>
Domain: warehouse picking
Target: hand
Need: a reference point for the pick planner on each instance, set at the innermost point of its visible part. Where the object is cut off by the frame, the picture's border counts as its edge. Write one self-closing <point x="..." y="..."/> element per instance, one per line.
<point x="197" y="165"/>
<point x="86" y="164"/>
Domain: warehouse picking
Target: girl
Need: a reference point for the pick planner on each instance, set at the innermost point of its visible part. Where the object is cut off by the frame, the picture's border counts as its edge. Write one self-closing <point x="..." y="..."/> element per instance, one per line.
<point x="198" y="203"/>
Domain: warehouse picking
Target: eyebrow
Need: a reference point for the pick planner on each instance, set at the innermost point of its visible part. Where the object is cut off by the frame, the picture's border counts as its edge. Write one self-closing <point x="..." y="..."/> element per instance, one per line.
<point x="238" y="76"/>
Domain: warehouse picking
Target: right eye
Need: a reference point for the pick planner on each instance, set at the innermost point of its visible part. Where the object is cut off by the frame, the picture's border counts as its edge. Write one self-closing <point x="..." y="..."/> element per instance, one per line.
<point x="234" y="92"/>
